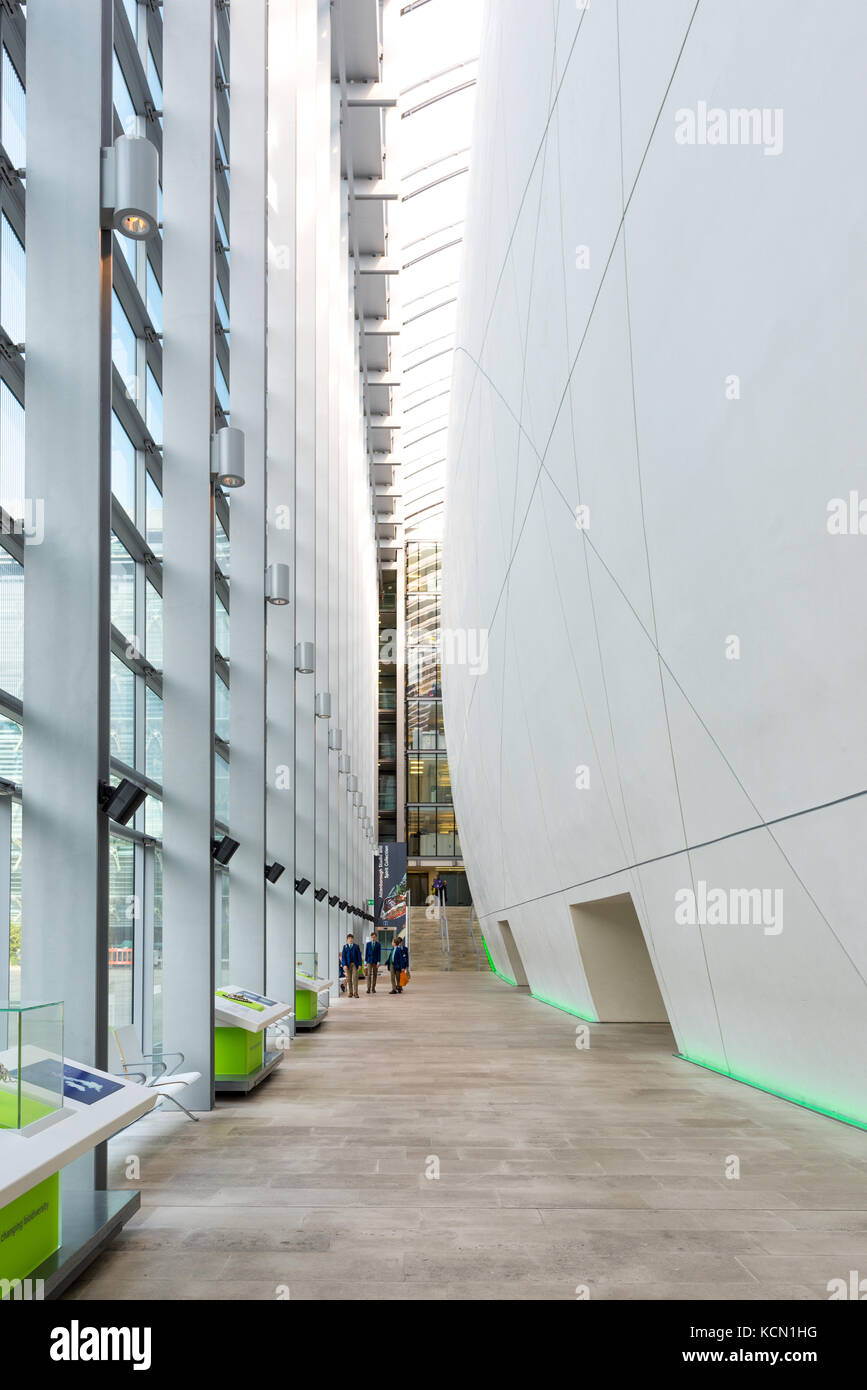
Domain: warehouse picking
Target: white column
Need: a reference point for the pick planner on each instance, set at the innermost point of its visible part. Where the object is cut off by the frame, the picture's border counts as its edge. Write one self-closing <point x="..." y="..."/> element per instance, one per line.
<point x="281" y="627"/>
<point x="188" y="565"/>
<point x="247" y="237"/>
<point x="305" y="465"/>
<point x="67" y="464"/>
<point x="327" y="140"/>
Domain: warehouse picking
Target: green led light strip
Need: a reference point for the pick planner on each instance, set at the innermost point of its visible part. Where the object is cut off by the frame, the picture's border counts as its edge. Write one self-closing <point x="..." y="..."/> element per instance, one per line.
<point x="498" y="973"/>
<point x="769" y="1091"/>
<point x="565" y="1008"/>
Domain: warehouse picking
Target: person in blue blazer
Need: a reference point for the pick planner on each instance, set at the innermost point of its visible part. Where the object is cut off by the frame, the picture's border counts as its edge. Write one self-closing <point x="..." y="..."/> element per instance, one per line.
<point x="399" y="962"/>
<point x="350" y="959"/>
<point x="372" y="958"/>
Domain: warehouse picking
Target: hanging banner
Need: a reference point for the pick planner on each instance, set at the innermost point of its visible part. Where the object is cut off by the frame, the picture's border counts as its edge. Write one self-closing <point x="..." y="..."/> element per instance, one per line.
<point x="391" y="887"/>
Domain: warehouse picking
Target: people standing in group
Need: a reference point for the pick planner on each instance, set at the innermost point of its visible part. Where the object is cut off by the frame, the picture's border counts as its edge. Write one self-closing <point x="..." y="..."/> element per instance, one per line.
<point x="351" y="961"/>
<point x="399" y="963"/>
<point x="372" y="958"/>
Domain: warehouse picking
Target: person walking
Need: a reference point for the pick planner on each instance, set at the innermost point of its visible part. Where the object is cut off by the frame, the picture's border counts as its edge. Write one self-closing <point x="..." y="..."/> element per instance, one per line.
<point x="372" y="957"/>
<point x="351" y="961"/>
<point x="399" y="962"/>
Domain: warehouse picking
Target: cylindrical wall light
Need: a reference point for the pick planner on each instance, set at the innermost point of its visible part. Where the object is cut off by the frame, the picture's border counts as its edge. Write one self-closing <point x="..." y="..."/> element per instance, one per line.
<point x="227" y="456"/>
<point x="352" y="783"/>
<point x="130" y="187"/>
<point x="323" y="705"/>
<point x="356" y="799"/>
<point x="335" y="739"/>
<point x="344" y="763"/>
<point x="305" y="658"/>
<point x="277" y="580"/>
<point x="363" y="814"/>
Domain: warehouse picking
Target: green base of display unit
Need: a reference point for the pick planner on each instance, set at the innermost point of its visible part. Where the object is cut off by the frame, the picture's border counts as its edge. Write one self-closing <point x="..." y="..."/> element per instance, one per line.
<point x="237" y="1052"/>
<point x="29" y="1232"/>
<point x="306" y="1005"/>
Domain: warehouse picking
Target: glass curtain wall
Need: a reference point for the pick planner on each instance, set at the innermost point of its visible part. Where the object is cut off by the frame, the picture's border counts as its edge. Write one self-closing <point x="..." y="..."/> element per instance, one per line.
<point x="431" y="831"/>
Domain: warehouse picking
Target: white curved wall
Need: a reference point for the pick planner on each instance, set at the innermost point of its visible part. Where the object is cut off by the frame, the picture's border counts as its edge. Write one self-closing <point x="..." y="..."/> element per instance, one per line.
<point x="606" y="387"/>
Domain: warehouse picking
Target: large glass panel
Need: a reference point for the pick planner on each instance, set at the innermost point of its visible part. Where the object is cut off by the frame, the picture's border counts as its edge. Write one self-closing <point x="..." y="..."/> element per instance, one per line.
<point x="12" y="456"/>
<point x="12" y="277"/>
<point x="154" y="408"/>
<point x="131" y="8"/>
<point x="422" y="778"/>
<point x="445" y="834"/>
<point x="123" y="593"/>
<point x="122" y="467"/>
<point x="123" y="348"/>
<point x="423" y="673"/>
<point x="123" y="909"/>
<point x="123" y="103"/>
<point x="222" y="387"/>
<point x="154" y="504"/>
<point x="122" y="731"/>
<point x="154" y="627"/>
<point x="422" y="833"/>
<point x="11" y="744"/>
<point x="11" y="625"/>
<point x="221" y="789"/>
<point x="222" y="549"/>
<point x="154" y="299"/>
<point x="13" y="120"/>
<point x="222" y="310"/>
<point x="154" y="82"/>
<point x="221" y="709"/>
<point x="153" y="738"/>
<point x="224" y="887"/>
<point x="221" y="624"/>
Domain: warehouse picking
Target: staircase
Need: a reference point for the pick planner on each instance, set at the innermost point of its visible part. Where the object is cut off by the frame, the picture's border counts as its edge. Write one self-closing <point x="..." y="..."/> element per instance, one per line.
<point x="425" y="951"/>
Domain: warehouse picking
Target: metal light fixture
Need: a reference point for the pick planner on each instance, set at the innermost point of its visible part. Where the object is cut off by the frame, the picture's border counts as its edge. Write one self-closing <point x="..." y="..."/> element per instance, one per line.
<point x="301" y="885"/>
<point x="222" y="850"/>
<point x="274" y="871"/>
<point x="342" y="905"/>
<point x="344" y="763"/>
<point x="120" y="803"/>
<point x="228" y="449"/>
<point x="323" y="705"/>
<point x="320" y="894"/>
<point x="277" y="579"/>
<point x="356" y="799"/>
<point x="130" y="187"/>
<point x="352" y="783"/>
<point x="332" y="901"/>
<point x="305" y="658"/>
<point x="335" y="739"/>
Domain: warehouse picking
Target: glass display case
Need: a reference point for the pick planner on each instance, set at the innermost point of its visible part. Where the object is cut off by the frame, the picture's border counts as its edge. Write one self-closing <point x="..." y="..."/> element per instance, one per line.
<point x="307" y="964"/>
<point x="31" y="1063"/>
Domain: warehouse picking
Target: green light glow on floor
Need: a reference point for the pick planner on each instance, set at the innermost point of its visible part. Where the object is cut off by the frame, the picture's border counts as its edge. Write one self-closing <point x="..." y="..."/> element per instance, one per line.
<point x="565" y="1008"/>
<point x="499" y="974"/>
<point x="772" y="1091"/>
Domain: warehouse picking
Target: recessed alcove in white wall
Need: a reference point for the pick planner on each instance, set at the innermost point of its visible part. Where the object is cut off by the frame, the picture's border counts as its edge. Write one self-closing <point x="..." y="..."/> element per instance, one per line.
<point x="617" y="963"/>
<point x="519" y="974"/>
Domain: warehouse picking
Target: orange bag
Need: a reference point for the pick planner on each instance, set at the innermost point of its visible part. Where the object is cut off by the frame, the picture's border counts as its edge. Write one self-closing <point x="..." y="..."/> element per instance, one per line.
<point x="404" y="979"/>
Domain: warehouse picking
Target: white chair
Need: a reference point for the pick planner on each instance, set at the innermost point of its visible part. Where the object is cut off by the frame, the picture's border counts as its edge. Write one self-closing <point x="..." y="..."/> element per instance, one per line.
<point x="169" y="1082"/>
